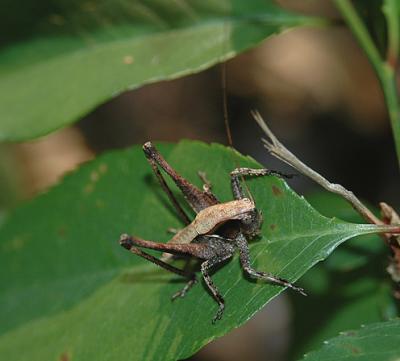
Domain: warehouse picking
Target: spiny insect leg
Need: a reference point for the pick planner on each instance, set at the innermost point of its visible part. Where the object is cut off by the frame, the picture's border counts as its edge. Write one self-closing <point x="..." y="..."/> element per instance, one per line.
<point x="153" y="157"/>
<point x="126" y="242"/>
<point x="189" y="249"/>
<point x="205" y="267"/>
<point x="197" y="199"/>
<point x="244" y="256"/>
<point x="238" y="173"/>
<point x="184" y="290"/>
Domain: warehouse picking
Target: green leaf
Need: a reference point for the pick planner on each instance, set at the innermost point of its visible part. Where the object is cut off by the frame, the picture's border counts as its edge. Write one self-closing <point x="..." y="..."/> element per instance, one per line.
<point x="70" y="289"/>
<point x="375" y="342"/>
<point x="76" y="55"/>
<point x="371" y="12"/>
<point x="349" y="289"/>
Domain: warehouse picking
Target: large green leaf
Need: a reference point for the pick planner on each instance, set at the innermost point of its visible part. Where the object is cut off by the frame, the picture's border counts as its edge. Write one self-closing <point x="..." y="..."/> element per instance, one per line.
<point x="349" y="289"/>
<point x="68" y="288"/>
<point x="61" y="59"/>
<point x="374" y="342"/>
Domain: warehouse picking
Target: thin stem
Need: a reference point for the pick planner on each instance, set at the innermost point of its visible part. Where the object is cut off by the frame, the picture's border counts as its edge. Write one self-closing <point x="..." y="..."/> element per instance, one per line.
<point x="389" y="86"/>
<point x="360" y="32"/>
<point x="278" y="150"/>
<point x="384" y="70"/>
<point x="392" y="12"/>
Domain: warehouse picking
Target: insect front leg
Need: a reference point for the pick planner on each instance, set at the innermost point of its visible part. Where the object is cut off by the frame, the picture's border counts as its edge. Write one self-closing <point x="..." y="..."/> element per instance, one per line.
<point x="184" y="290"/>
<point x="238" y="173"/>
<point x="206" y="183"/>
<point x="244" y="256"/>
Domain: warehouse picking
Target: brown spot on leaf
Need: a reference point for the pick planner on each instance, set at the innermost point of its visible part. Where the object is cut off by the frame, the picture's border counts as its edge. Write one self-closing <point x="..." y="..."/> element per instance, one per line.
<point x="276" y="191"/>
<point x="65" y="356"/>
<point x="62" y="231"/>
<point x="128" y="59"/>
<point x="354" y="349"/>
<point x="88" y="189"/>
<point x="14" y="244"/>
<point x="272" y="227"/>
<point x="103" y="168"/>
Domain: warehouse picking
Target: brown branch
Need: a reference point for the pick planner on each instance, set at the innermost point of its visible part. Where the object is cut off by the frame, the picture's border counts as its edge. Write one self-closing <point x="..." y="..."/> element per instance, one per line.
<point x="278" y="150"/>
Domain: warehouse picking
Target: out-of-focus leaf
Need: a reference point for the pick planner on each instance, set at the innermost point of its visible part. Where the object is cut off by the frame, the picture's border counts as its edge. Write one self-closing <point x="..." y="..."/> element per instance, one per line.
<point x="60" y="59"/>
<point x="374" y="342"/>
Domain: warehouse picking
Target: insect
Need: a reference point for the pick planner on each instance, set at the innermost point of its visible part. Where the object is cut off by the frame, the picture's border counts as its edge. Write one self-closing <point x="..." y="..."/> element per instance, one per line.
<point x="215" y="234"/>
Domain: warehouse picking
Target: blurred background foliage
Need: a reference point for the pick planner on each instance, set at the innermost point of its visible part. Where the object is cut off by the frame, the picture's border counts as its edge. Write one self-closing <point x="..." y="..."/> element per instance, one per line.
<point x="319" y="94"/>
<point x="314" y="85"/>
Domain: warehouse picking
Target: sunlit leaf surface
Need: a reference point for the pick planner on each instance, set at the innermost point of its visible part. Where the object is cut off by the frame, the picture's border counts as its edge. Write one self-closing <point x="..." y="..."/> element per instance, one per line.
<point x="61" y="59"/>
<point x="69" y="289"/>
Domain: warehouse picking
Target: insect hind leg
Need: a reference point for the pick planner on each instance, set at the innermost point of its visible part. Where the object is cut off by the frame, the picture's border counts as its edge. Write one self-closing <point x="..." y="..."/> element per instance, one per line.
<point x="196" y="198"/>
<point x="127" y="242"/>
<point x="154" y="158"/>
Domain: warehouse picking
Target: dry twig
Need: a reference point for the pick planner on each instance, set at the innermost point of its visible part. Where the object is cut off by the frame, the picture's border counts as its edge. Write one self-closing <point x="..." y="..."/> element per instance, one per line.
<point x="278" y="150"/>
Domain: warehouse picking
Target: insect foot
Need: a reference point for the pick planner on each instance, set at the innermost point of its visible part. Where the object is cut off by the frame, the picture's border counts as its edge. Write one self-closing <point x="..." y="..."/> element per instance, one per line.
<point x="295" y="288"/>
<point x="184" y="290"/>
<point x="147" y="147"/>
<point x="219" y="314"/>
<point x="126" y="241"/>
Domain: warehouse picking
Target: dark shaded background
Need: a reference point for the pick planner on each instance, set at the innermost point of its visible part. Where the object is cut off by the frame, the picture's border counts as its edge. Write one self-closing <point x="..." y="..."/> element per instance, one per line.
<point x="314" y="87"/>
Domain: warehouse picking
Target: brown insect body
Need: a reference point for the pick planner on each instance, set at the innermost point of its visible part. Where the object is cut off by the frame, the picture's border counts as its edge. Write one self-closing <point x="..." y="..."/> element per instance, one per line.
<point x="208" y="219"/>
<point x="200" y="238"/>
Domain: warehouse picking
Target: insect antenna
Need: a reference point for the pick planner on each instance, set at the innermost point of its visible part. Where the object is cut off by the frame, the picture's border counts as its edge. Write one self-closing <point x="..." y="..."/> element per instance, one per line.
<point x="225" y="105"/>
<point x="226" y="115"/>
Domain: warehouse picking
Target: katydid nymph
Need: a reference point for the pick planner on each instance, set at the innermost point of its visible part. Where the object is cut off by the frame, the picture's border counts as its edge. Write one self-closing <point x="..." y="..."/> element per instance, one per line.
<point x="204" y="237"/>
